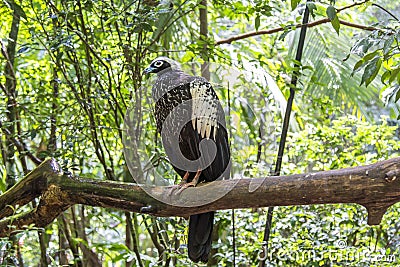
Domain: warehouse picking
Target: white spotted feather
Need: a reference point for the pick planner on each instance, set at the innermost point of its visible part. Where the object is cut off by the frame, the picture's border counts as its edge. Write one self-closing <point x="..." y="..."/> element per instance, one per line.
<point x="204" y="109"/>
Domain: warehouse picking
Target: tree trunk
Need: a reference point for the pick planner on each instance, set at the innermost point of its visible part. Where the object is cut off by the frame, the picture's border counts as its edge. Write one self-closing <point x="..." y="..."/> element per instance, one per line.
<point x="205" y="70"/>
<point x="10" y="85"/>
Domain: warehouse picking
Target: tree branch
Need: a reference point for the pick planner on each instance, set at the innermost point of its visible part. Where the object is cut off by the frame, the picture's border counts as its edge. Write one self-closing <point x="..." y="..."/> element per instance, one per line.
<point x="309" y="25"/>
<point x="279" y="29"/>
<point x="21" y="147"/>
<point x="375" y="186"/>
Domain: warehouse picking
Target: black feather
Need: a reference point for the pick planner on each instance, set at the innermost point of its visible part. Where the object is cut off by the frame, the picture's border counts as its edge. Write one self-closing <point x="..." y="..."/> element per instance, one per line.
<point x="199" y="237"/>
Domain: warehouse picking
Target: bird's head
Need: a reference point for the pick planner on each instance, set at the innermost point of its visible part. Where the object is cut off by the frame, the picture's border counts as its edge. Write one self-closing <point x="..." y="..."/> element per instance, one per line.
<point x="160" y="64"/>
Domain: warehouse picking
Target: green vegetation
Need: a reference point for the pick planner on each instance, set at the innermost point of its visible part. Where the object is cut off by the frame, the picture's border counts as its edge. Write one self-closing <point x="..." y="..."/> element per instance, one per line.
<point x="71" y="69"/>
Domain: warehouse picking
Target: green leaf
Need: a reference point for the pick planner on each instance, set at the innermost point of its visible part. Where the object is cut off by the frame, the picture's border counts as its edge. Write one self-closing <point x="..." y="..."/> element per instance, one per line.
<point x="359" y="65"/>
<point x="294" y="3"/>
<point x="388" y="44"/>
<point x="143" y="27"/>
<point x="394" y="74"/>
<point x="189" y="55"/>
<point x="336" y="24"/>
<point x="398" y="78"/>
<point x="371" y="55"/>
<point x="371" y="70"/>
<point x="311" y="7"/>
<point x="332" y="15"/>
<point x="147" y="27"/>
<point x="385" y="76"/>
<point x="364" y="61"/>
<point x="361" y="47"/>
<point x="3" y="184"/>
<point x="307" y="67"/>
<point x="397" y="93"/>
<point x="331" y="12"/>
<point x="59" y="56"/>
<point x="257" y="22"/>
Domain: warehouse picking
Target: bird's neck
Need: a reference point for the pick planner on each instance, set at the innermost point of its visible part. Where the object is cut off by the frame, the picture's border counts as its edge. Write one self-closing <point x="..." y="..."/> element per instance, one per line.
<point x="164" y="71"/>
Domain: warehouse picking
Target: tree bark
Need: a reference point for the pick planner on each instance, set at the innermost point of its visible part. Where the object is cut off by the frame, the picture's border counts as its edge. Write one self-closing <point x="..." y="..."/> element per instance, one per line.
<point x="375" y="186"/>
<point x="10" y="85"/>
<point x="205" y="69"/>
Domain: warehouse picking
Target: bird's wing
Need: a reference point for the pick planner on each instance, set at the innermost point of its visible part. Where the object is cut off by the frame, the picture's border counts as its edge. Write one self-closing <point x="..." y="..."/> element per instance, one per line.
<point x="206" y="110"/>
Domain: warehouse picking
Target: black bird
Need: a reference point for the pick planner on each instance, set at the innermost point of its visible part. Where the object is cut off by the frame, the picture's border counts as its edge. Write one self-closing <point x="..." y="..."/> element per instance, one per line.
<point x="188" y="111"/>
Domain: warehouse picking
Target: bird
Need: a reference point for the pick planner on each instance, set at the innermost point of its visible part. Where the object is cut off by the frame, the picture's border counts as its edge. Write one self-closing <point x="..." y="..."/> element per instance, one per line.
<point x="187" y="112"/>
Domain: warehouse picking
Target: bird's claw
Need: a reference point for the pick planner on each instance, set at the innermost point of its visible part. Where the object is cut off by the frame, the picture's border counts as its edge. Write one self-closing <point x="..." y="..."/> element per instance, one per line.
<point x="182" y="183"/>
<point x="173" y="188"/>
<point x="184" y="186"/>
<point x="180" y="187"/>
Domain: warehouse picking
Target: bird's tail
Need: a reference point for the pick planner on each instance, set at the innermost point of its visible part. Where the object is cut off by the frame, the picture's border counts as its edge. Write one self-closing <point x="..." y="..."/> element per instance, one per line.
<point x="199" y="237"/>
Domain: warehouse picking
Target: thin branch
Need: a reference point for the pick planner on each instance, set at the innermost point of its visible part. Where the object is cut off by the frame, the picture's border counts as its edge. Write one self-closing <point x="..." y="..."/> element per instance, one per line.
<point x="279" y="29"/>
<point x="387" y="11"/>
<point x="152" y="230"/>
<point x="21" y="147"/>
<point x="68" y="235"/>
<point x="352" y="5"/>
<point x="131" y="240"/>
<point x="358" y="26"/>
<point x="3" y="88"/>
<point x="9" y="66"/>
<point x="157" y="37"/>
<point x="309" y="25"/>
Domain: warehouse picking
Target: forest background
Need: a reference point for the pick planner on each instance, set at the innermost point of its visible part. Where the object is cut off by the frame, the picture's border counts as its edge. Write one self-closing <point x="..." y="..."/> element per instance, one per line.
<point x="70" y="70"/>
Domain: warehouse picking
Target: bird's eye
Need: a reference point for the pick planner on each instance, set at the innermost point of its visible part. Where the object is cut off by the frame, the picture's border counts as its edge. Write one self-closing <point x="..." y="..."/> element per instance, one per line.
<point x="158" y="64"/>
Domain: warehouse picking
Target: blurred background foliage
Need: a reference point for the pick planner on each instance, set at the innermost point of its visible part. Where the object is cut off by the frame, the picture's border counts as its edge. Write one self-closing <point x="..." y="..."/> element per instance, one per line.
<point x="70" y="71"/>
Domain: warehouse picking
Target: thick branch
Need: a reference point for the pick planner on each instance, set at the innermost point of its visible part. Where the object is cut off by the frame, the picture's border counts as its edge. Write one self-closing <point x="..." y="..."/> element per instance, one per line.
<point x="374" y="186"/>
<point x="279" y="29"/>
<point x="32" y="186"/>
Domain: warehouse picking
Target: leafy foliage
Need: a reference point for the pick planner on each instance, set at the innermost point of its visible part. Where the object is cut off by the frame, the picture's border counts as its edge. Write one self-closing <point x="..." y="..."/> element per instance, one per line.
<point x="379" y="52"/>
<point x="78" y="70"/>
<point x="332" y="15"/>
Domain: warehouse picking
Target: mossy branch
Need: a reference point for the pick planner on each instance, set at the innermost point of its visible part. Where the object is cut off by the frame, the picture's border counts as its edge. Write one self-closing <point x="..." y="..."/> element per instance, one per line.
<point x="375" y="186"/>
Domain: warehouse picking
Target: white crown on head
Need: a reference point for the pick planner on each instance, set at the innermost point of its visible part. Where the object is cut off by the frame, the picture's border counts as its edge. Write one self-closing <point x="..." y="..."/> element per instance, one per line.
<point x="174" y="65"/>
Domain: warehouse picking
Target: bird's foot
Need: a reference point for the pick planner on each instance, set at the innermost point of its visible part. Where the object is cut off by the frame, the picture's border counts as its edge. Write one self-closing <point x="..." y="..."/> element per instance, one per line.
<point x="173" y="188"/>
<point x="184" y="186"/>
<point x="184" y="179"/>
<point x="184" y="183"/>
<point x="193" y="183"/>
<point x="178" y="186"/>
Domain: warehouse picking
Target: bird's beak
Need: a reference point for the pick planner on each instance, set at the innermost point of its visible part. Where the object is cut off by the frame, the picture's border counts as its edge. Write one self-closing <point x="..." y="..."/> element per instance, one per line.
<point x="148" y="70"/>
